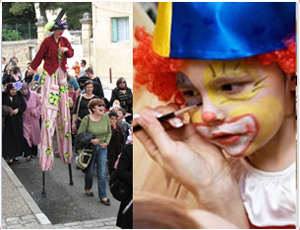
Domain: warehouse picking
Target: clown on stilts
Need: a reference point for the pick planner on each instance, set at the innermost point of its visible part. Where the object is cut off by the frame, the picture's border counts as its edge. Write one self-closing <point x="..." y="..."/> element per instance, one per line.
<point x="54" y="50"/>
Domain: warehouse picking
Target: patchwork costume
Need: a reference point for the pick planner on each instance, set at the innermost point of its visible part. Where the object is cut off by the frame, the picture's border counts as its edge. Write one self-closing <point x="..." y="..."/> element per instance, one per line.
<point x="55" y="104"/>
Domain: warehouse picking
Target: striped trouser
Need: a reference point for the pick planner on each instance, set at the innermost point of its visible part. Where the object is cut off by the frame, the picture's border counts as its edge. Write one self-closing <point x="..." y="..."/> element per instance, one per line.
<point x="55" y="113"/>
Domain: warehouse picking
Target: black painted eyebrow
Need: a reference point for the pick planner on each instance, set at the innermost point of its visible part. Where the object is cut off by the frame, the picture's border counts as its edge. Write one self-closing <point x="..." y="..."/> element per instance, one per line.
<point x="212" y="69"/>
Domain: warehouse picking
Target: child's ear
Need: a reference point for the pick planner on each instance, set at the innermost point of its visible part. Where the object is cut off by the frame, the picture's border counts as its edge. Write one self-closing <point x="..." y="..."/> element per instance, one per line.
<point x="291" y="82"/>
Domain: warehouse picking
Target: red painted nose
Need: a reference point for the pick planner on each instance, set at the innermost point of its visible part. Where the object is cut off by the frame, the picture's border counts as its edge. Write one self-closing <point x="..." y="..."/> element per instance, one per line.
<point x="209" y="117"/>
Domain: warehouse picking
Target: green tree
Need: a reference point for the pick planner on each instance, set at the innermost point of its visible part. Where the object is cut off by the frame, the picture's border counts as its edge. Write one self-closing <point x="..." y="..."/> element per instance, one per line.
<point x="18" y="25"/>
<point x="11" y="35"/>
<point x="21" y="13"/>
<point x="73" y="10"/>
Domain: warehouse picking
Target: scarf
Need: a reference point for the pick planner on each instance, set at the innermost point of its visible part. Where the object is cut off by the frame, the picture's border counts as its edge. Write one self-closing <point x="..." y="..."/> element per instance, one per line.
<point x="26" y="86"/>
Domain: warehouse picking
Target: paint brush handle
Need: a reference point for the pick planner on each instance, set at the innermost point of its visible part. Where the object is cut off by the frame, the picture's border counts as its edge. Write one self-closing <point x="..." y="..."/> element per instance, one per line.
<point x="161" y="119"/>
<point x="169" y="115"/>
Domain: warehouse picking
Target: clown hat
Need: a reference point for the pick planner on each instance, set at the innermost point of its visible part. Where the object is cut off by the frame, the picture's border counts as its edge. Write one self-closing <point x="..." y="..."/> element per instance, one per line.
<point x="222" y="30"/>
<point x="56" y="25"/>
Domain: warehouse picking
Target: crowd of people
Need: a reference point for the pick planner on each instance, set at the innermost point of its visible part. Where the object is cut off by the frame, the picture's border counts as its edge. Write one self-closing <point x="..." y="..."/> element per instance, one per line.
<point x="22" y="119"/>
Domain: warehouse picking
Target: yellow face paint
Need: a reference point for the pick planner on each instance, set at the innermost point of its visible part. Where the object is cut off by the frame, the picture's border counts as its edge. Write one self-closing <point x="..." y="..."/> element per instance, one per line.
<point x="268" y="123"/>
<point x="230" y="82"/>
<point x="243" y="95"/>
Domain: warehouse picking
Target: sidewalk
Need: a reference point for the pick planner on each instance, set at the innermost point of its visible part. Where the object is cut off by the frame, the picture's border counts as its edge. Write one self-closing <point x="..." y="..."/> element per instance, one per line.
<point x="19" y="210"/>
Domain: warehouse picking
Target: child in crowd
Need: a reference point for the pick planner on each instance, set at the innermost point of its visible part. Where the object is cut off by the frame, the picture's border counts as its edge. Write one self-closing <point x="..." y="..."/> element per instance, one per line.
<point x="76" y="68"/>
<point x="31" y="86"/>
<point x="122" y="122"/>
<point x="72" y="93"/>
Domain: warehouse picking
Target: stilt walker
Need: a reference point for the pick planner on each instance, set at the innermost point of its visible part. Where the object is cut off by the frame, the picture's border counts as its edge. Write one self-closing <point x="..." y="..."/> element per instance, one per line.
<point x="54" y="50"/>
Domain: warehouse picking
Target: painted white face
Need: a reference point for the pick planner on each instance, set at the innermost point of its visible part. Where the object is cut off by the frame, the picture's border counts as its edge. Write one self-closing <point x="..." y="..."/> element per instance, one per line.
<point x="242" y="103"/>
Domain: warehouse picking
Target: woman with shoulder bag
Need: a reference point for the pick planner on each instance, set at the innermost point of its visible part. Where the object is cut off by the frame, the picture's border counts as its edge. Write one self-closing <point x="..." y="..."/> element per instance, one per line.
<point x="99" y="125"/>
<point x="81" y="107"/>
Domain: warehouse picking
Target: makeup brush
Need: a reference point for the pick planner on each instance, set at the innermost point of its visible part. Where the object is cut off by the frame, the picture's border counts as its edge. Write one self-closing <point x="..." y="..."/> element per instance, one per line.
<point x="169" y="115"/>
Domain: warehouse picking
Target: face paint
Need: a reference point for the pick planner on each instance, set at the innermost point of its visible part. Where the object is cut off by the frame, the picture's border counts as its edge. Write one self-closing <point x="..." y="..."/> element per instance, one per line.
<point x="237" y="99"/>
<point x="230" y="82"/>
<point x="235" y="136"/>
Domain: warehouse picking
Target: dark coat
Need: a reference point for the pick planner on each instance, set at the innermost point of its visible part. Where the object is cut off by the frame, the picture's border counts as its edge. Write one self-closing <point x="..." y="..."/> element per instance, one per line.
<point x="125" y="103"/>
<point x="124" y="173"/>
<point x="13" y="143"/>
<point x="114" y="147"/>
<point x="6" y="111"/>
<point x="98" y="90"/>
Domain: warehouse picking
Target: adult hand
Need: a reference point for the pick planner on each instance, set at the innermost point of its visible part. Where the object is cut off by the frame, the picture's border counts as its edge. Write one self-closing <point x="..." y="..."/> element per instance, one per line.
<point x="79" y="91"/>
<point x="32" y="113"/>
<point x="200" y="166"/>
<point x="94" y="141"/>
<point x="15" y="111"/>
<point x="63" y="49"/>
<point x="103" y="145"/>
<point x="73" y="127"/>
<point x="30" y="72"/>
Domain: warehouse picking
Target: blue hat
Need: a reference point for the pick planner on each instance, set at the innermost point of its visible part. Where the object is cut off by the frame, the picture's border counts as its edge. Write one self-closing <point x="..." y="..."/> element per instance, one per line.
<point x="222" y="30"/>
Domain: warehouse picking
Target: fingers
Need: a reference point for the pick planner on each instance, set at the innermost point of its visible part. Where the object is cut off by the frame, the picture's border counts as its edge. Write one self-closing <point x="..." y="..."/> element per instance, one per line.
<point x="153" y="136"/>
<point x="175" y="122"/>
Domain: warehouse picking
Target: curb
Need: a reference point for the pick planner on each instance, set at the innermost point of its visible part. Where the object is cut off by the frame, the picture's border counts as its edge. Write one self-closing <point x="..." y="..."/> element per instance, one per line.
<point x="42" y="218"/>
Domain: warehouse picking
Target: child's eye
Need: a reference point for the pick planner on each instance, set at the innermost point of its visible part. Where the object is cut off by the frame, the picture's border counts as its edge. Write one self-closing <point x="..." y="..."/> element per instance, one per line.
<point x="233" y="87"/>
<point x="191" y="97"/>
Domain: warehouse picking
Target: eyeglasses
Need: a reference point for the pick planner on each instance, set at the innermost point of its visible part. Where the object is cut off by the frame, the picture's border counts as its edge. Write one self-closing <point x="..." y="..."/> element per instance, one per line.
<point x="122" y="82"/>
<point x="101" y="105"/>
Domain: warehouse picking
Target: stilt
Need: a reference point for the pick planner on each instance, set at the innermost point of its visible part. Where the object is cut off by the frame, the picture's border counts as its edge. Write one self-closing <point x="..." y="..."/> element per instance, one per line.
<point x="44" y="192"/>
<point x="70" y="173"/>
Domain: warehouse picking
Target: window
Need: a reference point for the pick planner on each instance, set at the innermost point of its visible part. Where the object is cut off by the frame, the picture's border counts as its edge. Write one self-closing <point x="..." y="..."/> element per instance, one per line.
<point x="31" y="53"/>
<point x="120" y="29"/>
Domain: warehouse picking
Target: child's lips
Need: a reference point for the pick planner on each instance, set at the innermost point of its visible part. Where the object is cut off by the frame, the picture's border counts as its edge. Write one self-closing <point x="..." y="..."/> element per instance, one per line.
<point x="227" y="138"/>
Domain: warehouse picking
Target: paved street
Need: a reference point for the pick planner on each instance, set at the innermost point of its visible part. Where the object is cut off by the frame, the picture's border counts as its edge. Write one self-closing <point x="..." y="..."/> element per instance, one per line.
<point x="65" y="205"/>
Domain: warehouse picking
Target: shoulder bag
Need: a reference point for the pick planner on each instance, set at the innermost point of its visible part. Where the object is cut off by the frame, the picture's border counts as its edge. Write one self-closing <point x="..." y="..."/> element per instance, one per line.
<point x="85" y="155"/>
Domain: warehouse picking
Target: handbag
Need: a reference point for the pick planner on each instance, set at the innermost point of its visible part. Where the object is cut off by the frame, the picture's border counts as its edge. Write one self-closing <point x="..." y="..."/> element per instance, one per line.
<point x="85" y="155"/>
<point x="84" y="158"/>
<point x="117" y="188"/>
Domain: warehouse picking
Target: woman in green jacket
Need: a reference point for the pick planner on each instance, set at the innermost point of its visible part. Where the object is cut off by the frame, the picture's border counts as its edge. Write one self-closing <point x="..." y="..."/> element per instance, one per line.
<point x="97" y="123"/>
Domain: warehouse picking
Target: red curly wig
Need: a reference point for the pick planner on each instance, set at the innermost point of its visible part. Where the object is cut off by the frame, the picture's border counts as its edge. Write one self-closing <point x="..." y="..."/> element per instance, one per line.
<point x="158" y="73"/>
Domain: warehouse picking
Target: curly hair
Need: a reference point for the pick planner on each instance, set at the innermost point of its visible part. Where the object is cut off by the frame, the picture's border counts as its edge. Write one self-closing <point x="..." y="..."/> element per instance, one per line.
<point x="158" y="73"/>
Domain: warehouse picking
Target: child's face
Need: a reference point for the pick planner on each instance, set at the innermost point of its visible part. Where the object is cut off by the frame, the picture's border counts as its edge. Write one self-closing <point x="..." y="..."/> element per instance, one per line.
<point x="243" y="105"/>
<point x="115" y="109"/>
<point x="120" y="115"/>
<point x="113" y="120"/>
<point x="70" y="89"/>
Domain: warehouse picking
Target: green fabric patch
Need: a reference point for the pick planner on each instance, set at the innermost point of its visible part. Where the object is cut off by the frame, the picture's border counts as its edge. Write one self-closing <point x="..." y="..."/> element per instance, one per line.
<point x="48" y="150"/>
<point x="53" y="98"/>
<point x="60" y="128"/>
<point x="43" y="77"/>
<point x="68" y="135"/>
<point x="63" y="88"/>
